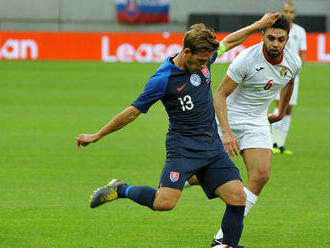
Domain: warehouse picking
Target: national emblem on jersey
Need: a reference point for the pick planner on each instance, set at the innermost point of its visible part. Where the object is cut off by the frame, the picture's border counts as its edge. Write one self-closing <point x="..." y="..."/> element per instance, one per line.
<point x="174" y="176"/>
<point x="206" y="74"/>
<point x="195" y="80"/>
<point x="283" y="72"/>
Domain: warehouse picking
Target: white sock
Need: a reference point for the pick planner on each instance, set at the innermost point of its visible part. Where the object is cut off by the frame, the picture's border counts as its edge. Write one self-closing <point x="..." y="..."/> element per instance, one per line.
<point x="219" y="234"/>
<point x="186" y="184"/>
<point x="284" y="129"/>
<point x="251" y="199"/>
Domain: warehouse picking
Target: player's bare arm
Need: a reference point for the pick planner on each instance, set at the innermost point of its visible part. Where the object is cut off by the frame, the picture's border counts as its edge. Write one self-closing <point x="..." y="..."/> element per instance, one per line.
<point x="119" y="121"/>
<point x="302" y="55"/>
<point x="230" y="142"/>
<point x="285" y="96"/>
<point x="234" y="39"/>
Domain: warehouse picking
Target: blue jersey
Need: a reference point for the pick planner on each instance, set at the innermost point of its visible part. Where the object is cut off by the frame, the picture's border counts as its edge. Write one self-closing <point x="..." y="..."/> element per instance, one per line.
<point x="188" y="101"/>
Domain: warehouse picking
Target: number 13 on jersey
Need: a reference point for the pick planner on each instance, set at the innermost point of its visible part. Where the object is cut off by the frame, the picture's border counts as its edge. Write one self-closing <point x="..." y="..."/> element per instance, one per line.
<point x="186" y="103"/>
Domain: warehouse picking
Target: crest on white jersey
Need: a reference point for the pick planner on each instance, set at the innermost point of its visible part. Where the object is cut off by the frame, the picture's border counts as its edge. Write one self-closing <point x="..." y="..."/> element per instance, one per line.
<point x="283" y="71"/>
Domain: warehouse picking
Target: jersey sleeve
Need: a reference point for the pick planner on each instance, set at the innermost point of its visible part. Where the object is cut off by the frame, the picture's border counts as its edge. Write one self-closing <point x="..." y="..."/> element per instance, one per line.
<point x="154" y="90"/>
<point x="238" y="68"/>
<point x="214" y="57"/>
<point x="303" y="41"/>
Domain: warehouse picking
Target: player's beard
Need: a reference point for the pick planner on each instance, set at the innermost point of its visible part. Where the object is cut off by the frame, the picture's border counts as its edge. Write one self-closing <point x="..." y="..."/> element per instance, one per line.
<point x="274" y="54"/>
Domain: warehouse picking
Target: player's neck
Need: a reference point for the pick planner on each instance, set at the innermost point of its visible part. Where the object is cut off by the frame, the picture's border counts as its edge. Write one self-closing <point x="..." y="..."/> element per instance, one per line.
<point x="178" y="61"/>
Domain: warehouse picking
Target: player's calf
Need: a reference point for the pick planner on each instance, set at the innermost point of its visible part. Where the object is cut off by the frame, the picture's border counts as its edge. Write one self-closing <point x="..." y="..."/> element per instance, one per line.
<point x="166" y="198"/>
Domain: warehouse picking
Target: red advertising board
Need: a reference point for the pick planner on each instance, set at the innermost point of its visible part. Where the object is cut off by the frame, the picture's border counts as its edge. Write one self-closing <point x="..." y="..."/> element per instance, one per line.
<point x="123" y="47"/>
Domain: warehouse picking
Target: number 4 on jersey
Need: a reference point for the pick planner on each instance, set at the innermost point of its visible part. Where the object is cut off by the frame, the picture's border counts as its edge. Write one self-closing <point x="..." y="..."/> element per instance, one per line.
<point x="268" y="85"/>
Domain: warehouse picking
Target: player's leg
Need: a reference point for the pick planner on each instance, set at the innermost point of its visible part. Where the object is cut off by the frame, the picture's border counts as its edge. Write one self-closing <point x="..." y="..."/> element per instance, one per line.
<point x="143" y="195"/>
<point x="233" y="195"/>
<point x="222" y="179"/>
<point x="280" y="131"/>
<point x="191" y="181"/>
<point x="258" y="164"/>
<point x="281" y="128"/>
<point x="276" y="131"/>
<point x="166" y="198"/>
<point x="174" y="174"/>
<point x="248" y="140"/>
<point x="163" y="199"/>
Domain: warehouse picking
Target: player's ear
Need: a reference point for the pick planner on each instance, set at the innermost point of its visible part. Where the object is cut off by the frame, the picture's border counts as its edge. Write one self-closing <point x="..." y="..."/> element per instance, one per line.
<point x="186" y="51"/>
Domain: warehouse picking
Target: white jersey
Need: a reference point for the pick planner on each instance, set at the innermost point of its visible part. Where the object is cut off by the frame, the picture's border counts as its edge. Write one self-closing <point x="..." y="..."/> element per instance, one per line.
<point x="259" y="81"/>
<point x="297" y="39"/>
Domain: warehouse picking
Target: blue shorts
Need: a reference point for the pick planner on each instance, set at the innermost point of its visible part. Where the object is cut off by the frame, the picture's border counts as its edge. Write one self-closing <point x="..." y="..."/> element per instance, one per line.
<point x="211" y="168"/>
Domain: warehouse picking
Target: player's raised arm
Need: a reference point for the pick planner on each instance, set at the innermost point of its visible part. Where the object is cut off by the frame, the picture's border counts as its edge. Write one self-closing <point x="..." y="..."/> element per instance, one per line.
<point x="236" y="38"/>
<point x="285" y="96"/>
<point x="118" y="122"/>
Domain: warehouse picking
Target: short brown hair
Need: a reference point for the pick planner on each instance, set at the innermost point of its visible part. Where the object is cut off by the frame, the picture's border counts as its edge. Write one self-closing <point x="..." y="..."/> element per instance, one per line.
<point x="200" y="38"/>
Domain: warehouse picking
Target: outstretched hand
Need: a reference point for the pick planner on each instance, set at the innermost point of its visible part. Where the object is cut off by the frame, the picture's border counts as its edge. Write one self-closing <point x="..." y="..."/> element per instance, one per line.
<point x="86" y="139"/>
<point x="268" y="20"/>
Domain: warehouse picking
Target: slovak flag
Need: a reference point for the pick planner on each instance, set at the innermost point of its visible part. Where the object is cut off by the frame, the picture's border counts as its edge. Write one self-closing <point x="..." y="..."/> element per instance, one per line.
<point x="174" y="176"/>
<point x="142" y="11"/>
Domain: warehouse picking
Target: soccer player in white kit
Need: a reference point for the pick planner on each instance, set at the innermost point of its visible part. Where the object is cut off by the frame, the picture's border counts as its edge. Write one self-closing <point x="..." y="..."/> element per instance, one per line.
<point x="297" y="43"/>
<point x="242" y="100"/>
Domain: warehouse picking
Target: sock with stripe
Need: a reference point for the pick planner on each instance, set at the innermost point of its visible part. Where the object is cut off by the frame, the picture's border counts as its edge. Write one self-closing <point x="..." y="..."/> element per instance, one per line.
<point x="143" y="195"/>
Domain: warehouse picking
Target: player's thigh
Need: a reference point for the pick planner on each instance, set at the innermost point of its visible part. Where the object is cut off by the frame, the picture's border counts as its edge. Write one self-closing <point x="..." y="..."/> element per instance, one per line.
<point x="219" y="171"/>
<point x="232" y="193"/>
<point x="257" y="162"/>
<point x="166" y="198"/>
<point x="176" y="171"/>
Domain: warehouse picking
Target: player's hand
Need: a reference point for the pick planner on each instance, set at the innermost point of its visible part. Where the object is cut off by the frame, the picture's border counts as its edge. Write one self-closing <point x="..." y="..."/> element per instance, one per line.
<point x="268" y="20"/>
<point x="274" y="118"/>
<point x="86" y="139"/>
<point x="230" y="143"/>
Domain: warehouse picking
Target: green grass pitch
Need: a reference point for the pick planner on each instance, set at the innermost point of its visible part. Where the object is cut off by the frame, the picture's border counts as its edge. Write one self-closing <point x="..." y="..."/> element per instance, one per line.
<point x="45" y="180"/>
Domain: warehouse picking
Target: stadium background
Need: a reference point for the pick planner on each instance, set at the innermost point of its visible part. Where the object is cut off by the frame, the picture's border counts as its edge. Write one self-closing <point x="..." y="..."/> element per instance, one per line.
<point x="54" y="85"/>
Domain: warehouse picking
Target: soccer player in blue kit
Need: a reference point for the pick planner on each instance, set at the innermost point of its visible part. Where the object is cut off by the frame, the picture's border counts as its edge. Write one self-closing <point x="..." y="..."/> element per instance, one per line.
<point x="193" y="145"/>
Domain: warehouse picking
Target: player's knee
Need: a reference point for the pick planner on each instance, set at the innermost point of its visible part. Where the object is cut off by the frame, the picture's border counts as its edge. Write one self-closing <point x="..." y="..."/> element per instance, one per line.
<point x="262" y="176"/>
<point x="164" y="205"/>
<point x="238" y="198"/>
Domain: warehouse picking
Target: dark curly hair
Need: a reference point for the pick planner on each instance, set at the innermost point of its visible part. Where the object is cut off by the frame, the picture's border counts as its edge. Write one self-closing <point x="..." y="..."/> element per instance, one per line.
<point x="282" y="23"/>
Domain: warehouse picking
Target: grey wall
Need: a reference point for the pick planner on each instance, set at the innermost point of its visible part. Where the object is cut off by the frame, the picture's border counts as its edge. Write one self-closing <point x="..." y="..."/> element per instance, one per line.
<point x="100" y="15"/>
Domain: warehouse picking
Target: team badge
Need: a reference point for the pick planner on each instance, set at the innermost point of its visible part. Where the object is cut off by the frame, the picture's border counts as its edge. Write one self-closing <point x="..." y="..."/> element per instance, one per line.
<point x="283" y="72"/>
<point x="295" y="37"/>
<point x="195" y="80"/>
<point x="206" y="72"/>
<point x="174" y="176"/>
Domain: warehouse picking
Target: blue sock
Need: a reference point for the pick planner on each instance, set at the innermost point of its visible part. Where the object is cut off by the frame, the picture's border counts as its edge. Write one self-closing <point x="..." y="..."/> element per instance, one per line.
<point x="232" y="225"/>
<point x="143" y="195"/>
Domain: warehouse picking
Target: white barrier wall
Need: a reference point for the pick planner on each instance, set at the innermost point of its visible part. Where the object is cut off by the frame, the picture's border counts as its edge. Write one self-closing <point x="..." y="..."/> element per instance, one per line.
<point x="100" y="15"/>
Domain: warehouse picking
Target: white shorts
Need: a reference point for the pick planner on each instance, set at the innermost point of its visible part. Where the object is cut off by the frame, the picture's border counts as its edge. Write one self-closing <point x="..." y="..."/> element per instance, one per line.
<point x="250" y="138"/>
<point x="294" y="97"/>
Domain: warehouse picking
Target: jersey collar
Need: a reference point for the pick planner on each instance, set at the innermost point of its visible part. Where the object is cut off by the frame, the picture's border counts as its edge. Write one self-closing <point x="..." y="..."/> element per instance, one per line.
<point x="268" y="60"/>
